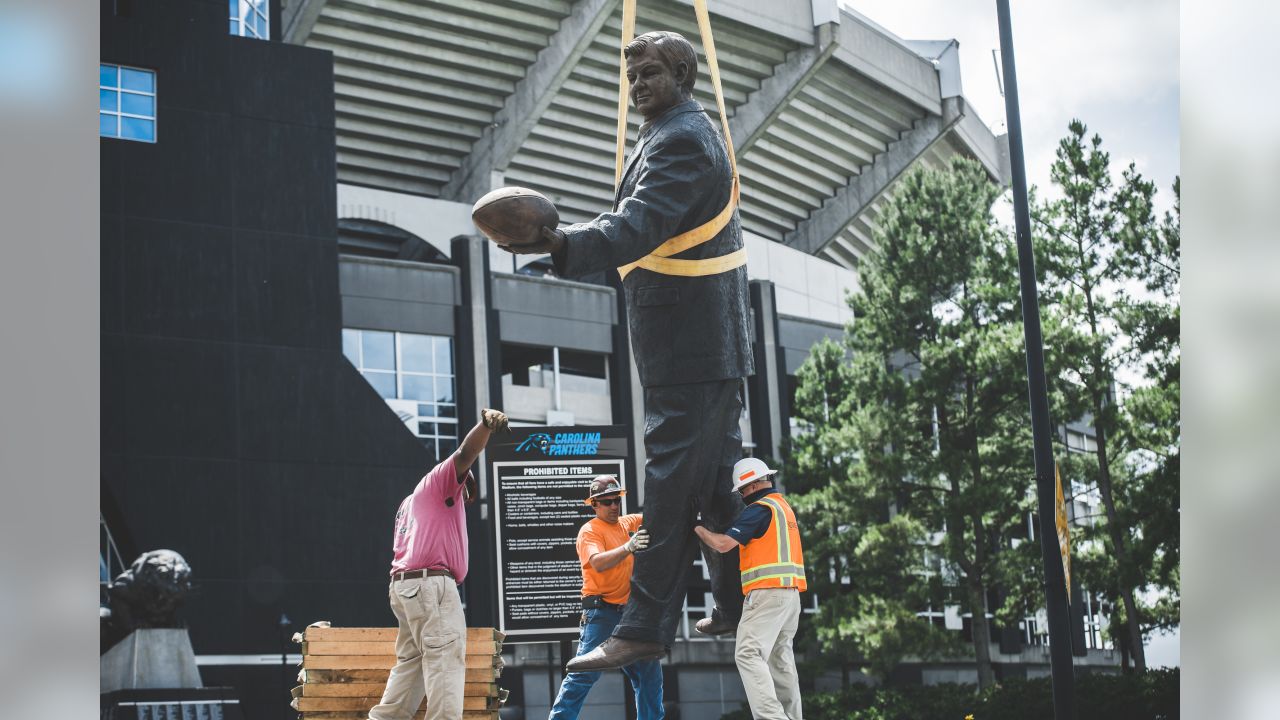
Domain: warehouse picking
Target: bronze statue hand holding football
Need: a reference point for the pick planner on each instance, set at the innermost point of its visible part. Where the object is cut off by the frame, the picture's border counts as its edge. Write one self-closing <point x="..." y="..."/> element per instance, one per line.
<point x="550" y="242"/>
<point x="519" y="220"/>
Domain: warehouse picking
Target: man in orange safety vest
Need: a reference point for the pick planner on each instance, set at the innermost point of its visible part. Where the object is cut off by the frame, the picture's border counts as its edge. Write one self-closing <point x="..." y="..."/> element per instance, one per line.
<point x="772" y="565"/>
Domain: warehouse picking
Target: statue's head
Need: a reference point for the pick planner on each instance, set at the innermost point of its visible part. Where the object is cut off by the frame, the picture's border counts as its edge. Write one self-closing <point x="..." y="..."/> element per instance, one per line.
<point x="661" y="67"/>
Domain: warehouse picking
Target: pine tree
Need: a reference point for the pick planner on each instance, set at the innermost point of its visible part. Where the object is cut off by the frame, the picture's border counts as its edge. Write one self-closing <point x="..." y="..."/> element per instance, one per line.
<point x="863" y="566"/>
<point x="1097" y="243"/>
<point x="932" y="434"/>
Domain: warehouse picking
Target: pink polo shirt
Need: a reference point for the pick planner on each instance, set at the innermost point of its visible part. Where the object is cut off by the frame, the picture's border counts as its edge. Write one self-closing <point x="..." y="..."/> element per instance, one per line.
<point x="431" y="525"/>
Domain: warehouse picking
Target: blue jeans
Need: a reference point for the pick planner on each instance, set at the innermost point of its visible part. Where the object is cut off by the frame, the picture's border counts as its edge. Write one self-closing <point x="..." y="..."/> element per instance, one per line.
<point x="645" y="676"/>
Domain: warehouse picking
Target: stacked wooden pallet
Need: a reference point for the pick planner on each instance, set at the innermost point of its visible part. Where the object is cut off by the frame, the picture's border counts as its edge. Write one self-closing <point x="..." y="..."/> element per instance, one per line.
<point x="344" y="671"/>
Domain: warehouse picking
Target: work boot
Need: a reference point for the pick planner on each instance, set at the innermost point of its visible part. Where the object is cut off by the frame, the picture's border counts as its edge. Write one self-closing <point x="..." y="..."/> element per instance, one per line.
<point x="615" y="653"/>
<point x="716" y="625"/>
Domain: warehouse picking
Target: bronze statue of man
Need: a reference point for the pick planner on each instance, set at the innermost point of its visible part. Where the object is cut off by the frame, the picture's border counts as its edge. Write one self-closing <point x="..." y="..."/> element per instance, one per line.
<point x="690" y="336"/>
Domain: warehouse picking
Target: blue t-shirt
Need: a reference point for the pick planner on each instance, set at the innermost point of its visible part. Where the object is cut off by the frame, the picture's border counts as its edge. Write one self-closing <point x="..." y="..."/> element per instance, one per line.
<point x="754" y="521"/>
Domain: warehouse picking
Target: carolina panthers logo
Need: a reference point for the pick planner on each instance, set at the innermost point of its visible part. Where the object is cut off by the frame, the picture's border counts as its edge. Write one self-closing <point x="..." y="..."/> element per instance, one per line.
<point x="537" y="441"/>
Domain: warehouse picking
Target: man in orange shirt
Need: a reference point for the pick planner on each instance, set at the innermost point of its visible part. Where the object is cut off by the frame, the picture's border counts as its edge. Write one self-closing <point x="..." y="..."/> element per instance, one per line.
<point x="605" y="546"/>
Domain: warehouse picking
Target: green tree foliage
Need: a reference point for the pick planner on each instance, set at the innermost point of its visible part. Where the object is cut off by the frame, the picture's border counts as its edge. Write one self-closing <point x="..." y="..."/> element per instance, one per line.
<point x="919" y="424"/>
<point x="1112" y="271"/>
<point x="1152" y="427"/>
<point x="1152" y="696"/>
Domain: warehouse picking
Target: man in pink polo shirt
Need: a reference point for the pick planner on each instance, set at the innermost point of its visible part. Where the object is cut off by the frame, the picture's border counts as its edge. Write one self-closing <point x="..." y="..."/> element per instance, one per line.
<point x="430" y="545"/>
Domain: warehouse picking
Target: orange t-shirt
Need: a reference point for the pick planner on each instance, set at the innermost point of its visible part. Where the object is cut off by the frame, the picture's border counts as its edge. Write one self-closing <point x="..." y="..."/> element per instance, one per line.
<point x="598" y="536"/>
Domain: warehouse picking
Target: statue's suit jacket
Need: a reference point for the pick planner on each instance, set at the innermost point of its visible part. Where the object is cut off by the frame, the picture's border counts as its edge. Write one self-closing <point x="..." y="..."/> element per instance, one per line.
<point x="683" y="329"/>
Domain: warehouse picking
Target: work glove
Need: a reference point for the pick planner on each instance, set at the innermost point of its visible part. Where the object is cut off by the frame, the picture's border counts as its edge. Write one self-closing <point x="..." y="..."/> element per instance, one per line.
<point x="495" y="420"/>
<point x="552" y="241"/>
<point x="639" y="541"/>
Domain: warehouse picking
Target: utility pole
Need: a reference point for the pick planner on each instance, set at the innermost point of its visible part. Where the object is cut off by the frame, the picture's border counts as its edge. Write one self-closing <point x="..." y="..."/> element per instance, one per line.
<point x="1064" y="692"/>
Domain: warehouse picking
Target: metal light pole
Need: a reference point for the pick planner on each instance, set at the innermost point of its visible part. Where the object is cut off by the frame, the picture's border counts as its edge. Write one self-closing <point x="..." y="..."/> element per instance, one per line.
<point x="1064" y="693"/>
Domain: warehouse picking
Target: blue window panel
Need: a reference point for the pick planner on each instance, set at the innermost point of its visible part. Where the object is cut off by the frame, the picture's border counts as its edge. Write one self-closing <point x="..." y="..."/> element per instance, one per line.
<point x="384" y="383"/>
<point x="138" y="129"/>
<point x="108" y="100"/>
<point x="141" y="80"/>
<point x="447" y="411"/>
<point x="260" y="26"/>
<point x="416" y="387"/>
<point x="138" y="104"/>
<point x="235" y="27"/>
<point x="351" y="345"/>
<point x="444" y="389"/>
<point x="415" y="352"/>
<point x="108" y="75"/>
<point x="233" y="8"/>
<point x="107" y="125"/>
<point x="444" y="355"/>
<point x="426" y="428"/>
<point x="426" y="409"/>
<point x="379" y="350"/>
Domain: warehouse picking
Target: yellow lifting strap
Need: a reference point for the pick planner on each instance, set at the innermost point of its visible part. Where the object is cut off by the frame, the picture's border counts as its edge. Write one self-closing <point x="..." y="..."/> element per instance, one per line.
<point x="660" y="260"/>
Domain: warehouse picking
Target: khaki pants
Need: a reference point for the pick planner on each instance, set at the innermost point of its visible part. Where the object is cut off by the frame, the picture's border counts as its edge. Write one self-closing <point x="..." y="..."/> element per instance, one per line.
<point x="430" y="649"/>
<point x="764" y="657"/>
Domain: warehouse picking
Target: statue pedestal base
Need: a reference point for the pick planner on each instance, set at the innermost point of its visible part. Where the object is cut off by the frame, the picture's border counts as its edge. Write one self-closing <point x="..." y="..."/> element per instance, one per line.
<point x="150" y="658"/>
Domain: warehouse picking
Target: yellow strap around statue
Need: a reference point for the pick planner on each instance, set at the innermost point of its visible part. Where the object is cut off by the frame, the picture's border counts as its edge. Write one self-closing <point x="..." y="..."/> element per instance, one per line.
<point x="660" y="260"/>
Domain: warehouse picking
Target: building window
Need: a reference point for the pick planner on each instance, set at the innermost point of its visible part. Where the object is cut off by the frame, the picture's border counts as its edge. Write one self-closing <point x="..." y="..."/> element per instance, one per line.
<point x="414" y="374"/>
<point x="250" y="18"/>
<point x="555" y="386"/>
<point x="126" y="103"/>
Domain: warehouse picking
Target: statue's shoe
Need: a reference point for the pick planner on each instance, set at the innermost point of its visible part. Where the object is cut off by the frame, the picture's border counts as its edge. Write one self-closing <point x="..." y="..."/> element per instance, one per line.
<point x="715" y="625"/>
<point x="615" y="653"/>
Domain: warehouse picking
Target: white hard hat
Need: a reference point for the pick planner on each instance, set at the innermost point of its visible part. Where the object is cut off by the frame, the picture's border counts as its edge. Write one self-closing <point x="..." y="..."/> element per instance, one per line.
<point x="748" y="470"/>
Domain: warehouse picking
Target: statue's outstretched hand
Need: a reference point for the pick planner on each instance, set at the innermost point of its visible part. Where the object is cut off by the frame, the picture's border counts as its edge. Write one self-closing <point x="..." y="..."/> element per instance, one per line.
<point x="552" y="241"/>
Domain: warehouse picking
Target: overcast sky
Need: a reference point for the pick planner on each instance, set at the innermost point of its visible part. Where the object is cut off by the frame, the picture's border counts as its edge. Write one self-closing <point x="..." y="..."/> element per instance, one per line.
<point x="1113" y="65"/>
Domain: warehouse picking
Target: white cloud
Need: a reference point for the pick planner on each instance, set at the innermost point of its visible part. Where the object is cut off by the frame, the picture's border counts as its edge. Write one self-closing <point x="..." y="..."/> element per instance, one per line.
<point x="1112" y="65"/>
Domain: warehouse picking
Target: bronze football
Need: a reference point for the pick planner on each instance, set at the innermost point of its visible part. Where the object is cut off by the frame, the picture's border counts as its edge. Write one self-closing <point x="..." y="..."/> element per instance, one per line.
<point x="514" y="215"/>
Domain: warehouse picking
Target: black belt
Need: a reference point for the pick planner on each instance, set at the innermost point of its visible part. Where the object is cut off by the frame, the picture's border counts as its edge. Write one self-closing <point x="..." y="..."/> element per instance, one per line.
<point x="415" y="574"/>
<point x="596" y="602"/>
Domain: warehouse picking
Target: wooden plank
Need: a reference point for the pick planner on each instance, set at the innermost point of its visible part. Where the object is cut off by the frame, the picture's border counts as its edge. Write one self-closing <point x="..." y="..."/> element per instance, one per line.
<point x="480" y="689"/>
<point x="321" y="676"/>
<point x="382" y="662"/>
<point x="374" y="690"/>
<point x="333" y="634"/>
<point x="480" y="703"/>
<point x="359" y="704"/>
<point x="348" y="715"/>
<point x="481" y="661"/>
<point x="344" y="675"/>
<point x="479" y="634"/>
<point x="370" y="690"/>
<point x="485" y="675"/>
<point x="379" y="647"/>
<point x="326" y="647"/>
<point x="483" y="647"/>
<point x="350" y="662"/>
<point x="351" y="715"/>
<point x="306" y="704"/>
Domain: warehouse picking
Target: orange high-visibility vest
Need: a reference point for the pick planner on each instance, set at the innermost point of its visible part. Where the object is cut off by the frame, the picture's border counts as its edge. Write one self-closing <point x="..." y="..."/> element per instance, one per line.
<point x="774" y="560"/>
